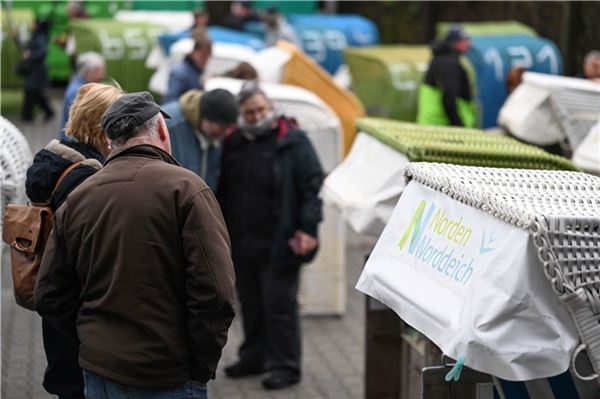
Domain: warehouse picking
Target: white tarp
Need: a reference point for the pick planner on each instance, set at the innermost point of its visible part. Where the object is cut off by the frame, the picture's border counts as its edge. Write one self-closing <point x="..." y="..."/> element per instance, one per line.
<point x="472" y="284"/>
<point x="367" y="184"/>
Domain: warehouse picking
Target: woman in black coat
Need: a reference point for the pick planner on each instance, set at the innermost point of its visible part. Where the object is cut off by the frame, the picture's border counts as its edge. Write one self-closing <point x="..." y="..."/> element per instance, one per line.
<point x="36" y="72"/>
<point x="63" y="376"/>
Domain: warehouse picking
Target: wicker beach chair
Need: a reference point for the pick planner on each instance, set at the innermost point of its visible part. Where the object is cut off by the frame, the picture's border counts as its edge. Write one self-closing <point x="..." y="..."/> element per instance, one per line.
<point x="15" y="158"/>
<point x="561" y="212"/>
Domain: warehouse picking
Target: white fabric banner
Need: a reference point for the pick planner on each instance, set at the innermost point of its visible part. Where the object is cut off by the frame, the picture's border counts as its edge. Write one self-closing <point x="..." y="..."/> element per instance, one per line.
<point x="472" y="284"/>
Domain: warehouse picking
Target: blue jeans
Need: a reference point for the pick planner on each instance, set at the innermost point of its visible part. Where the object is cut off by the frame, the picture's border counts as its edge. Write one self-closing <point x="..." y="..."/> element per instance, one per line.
<point x="97" y="387"/>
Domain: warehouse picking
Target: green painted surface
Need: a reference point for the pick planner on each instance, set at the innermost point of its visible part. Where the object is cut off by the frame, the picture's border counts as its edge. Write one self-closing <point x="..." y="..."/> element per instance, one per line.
<point x="179" y="5"/>
<point x="461" y="146"/>
<point x="386" y="78"/>
<point x="288" y="7"/>
<point x="125" y="45"/>
<point x="496" y="28"/>
<point x="58" y="61"/>
<point x="21" y="21"/>
<point x="11" y="101"/>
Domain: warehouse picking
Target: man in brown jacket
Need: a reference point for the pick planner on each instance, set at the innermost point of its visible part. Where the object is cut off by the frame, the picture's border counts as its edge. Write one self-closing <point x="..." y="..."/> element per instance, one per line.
<point x="140" y="257"/>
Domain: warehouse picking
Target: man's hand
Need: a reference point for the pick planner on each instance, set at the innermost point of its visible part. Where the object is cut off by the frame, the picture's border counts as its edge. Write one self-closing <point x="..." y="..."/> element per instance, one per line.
<point x="302" y="243"/>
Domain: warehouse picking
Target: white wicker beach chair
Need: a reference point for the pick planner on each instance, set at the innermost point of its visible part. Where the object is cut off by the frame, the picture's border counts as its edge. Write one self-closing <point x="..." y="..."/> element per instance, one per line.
<point x="546" y="110"/>
<point x="561" y="212"/>
<point x="15" y="158"/>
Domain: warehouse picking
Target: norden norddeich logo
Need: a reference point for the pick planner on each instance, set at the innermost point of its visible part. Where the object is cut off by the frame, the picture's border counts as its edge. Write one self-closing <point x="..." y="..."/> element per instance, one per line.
<point x="448" y="259"/>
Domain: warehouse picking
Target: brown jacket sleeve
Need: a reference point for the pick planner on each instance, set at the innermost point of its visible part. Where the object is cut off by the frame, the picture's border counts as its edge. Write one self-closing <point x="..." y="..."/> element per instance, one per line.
<point x="210" y="281"/>
<point x="57" y="288"/>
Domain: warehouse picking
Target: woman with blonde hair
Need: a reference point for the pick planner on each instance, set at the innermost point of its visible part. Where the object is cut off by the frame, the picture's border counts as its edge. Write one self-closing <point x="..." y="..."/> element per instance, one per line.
<point x="85" y="156"/>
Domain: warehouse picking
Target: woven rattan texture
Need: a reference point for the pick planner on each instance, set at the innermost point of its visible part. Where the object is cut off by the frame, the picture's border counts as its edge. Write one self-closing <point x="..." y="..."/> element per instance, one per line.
<point x="460" y="146"/>
<point x="561" y="211"/>
<point x="15" y="158"/>
<point x="577" y="111"/>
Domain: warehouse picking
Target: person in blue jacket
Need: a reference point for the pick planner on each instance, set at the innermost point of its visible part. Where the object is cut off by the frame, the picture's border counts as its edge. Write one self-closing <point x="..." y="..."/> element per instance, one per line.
<point x="91" y="68"/>
<point x="198" y="123"/>
<point x="187" y="74"/>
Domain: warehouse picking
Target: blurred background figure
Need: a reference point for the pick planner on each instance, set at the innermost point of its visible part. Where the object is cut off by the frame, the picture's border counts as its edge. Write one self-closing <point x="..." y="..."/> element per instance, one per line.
<point x="240" y="13"/>
<point x="75" y="10"/>
<point x="243" y="71"/>
<point x="201" y="18"/>
<point x="591" y="66"/>
<point x="35" y="71"/>
<point x="514" y="78"/>
<point x="445" y="97"/>
<point x="188" y="73"/>
<point x="198" y="123"/>
<point x="91" y="68"/>
<point x="278" y="28"/>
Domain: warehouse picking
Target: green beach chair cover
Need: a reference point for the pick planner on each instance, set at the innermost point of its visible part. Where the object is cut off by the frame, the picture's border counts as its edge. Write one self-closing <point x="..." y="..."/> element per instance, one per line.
<point x="461" y="146"/>
<point x="491" y="28"/>
<point x="125" y="45"/>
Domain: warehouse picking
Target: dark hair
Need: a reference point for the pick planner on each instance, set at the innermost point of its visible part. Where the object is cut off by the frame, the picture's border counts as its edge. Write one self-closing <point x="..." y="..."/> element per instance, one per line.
<point x="249" y="90"/>
<point x="243" y="70"/>
<point x="42" y="26"/>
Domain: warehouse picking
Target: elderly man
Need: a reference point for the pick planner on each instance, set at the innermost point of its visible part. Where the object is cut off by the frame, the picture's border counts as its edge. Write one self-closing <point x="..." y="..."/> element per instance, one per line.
<point x="445" y="96"/>
<point x="187" y="74"/>
<point x="199" y="122"/>
<point x="91" y="68"/>
<point x="140" y="256"/>
<point x="270" y="181"/>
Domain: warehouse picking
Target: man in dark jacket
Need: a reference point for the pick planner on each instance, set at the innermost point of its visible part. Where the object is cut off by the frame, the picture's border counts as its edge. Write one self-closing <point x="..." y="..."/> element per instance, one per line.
<point x="36" y="76"/>
<point x="187" y="74"/>
<point x="270" y="180"/>
<point x="445" y="96"/>
<point x="140" y="256"/>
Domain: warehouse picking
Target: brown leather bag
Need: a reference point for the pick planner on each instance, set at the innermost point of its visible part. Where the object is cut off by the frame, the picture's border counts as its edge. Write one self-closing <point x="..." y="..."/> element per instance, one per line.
<point x="27" y="229"/>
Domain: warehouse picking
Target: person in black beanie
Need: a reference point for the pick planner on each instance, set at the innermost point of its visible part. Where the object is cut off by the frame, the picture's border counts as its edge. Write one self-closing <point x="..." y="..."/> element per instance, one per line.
<point x="199" y="122"/>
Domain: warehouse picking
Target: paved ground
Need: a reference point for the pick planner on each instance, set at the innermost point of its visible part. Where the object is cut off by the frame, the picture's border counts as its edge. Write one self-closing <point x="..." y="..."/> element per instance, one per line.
<point x="333" y="347"/>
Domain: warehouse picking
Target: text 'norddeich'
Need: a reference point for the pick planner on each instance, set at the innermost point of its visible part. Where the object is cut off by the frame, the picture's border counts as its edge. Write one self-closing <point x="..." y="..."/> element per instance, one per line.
<point x="446" y="259"/>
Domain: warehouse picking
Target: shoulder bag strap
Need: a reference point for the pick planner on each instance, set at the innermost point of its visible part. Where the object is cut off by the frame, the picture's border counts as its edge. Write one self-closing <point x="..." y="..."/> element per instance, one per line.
<point x="63" y="175"/>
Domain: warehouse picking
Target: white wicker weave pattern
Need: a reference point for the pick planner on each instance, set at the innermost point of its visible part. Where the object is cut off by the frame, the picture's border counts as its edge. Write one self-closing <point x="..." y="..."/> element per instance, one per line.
<point x="15" y="158"/>
<point x="577" y="112"/>
<point x="561" y="210"/>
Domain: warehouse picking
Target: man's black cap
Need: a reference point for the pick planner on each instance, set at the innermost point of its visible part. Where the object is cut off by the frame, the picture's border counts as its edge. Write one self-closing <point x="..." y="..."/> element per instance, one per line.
<point x="131" y="110"/>
<point x="219" y="106"/>
<point x="456" y="33"/>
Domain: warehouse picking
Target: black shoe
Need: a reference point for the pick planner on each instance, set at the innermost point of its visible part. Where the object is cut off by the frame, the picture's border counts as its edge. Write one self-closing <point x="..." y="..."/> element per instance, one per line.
<point x="240" y="369"/>
<point x="279" y="381"/>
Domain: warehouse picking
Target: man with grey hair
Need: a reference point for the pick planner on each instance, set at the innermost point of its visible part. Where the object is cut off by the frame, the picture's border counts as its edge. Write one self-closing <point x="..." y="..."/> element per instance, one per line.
<point x="140" y="257"/>
<point x="91" y="68"/>
<point x="591" y="66"/>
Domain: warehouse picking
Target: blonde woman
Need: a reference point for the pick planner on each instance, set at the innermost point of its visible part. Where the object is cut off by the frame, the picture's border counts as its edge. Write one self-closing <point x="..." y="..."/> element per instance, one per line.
<point x="63" y="377"/>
